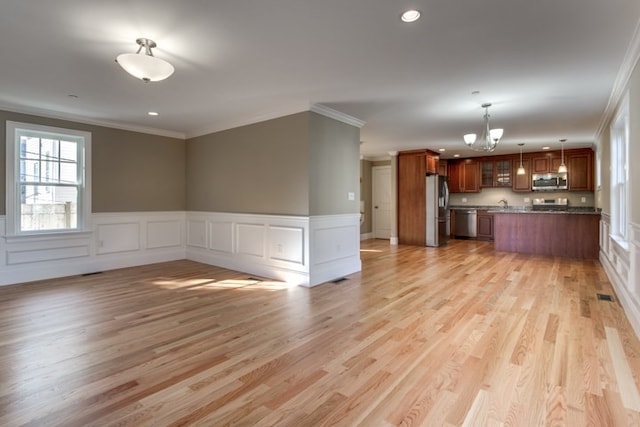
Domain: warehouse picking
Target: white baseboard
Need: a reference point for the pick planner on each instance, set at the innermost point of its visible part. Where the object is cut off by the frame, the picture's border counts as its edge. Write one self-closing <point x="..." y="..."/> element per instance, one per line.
<point x="366" y="236"/>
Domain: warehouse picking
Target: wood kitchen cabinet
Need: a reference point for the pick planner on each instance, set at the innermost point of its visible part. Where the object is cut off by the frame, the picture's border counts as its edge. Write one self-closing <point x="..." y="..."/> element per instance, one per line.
<point x="546" y="162"/>
<point x="464" y="176"/>
<point x="521" y="182"/>
<point x="579" y="169"/>
<point x="495" y="172"/>
<point x="412" y="170"/>
<point x="432" y="162"/>
<point x="485" y="225"/>
<point x="442" y="167"/>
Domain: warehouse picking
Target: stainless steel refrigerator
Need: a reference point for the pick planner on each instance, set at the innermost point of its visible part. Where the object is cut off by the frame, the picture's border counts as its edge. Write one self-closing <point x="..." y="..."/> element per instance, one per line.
<point x="438" y="222"/>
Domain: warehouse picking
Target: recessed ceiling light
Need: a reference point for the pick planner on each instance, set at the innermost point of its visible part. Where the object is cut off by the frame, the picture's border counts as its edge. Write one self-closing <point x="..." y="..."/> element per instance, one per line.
<point x="442" y="150"/>
<point x="411" y="15"/>
<point x="153" y="113"/>
<point x="546" y="147"/>
<point x="456" y="155"/>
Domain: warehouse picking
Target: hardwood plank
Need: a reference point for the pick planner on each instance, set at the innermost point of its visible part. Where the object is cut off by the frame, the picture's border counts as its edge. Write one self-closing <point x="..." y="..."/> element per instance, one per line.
<point x="422" y="336"/>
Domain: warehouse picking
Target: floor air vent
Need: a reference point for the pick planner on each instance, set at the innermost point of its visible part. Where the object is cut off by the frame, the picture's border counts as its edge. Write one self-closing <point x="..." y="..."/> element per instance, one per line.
<point x="342" y="279"/>
<point x="605" y="297"/>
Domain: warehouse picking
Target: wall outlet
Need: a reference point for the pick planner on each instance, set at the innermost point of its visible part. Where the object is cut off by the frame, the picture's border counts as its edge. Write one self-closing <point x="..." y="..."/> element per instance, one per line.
<point x="351" y="195"/>
<point x="464" y="200"/>
<point x="527" y="200"/>
<point x="583" y="200"/>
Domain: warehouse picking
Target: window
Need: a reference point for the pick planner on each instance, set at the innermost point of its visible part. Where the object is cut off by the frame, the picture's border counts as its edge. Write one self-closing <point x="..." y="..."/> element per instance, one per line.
<point x="619" y="171"/>
<point x="47" y="179"/>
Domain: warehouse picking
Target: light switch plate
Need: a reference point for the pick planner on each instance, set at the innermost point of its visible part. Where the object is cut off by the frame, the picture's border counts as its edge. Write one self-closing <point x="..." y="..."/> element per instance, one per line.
<point x="351" y="195"/>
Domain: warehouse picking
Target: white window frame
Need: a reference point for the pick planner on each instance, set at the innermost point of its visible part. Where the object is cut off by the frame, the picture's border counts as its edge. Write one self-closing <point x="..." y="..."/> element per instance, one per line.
<point x="619" y="195"/>
<point x="13" y="132"/>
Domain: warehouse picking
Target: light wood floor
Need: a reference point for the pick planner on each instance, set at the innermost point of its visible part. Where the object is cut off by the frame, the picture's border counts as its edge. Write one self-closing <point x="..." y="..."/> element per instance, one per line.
<point x="452" y="336"/>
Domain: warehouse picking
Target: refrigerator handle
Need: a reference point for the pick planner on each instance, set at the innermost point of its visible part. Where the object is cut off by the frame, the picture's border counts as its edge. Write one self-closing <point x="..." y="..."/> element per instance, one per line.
<point x="446" y="195"/>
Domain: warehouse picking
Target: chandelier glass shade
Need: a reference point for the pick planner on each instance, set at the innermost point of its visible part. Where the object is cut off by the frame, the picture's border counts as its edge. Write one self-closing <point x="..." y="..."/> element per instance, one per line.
<point x="489" y="138"/>
<point x="143" y="65"/>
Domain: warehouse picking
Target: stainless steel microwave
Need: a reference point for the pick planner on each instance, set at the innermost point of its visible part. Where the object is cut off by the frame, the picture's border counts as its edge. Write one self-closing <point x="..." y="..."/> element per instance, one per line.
<point x="549" y="181"/>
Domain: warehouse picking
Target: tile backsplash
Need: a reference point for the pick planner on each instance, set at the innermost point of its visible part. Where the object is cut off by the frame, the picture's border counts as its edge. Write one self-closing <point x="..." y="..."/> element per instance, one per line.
<point x="491" y="197"/>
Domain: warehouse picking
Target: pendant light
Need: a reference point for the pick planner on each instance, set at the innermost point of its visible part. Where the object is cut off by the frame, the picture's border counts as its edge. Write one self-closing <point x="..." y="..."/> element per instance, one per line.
<point x="521" y="170"/>
<point x="562" y="168"/>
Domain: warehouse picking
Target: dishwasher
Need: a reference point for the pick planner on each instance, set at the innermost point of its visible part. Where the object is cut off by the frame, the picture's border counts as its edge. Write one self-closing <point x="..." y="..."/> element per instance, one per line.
<point x="466" y="223"/>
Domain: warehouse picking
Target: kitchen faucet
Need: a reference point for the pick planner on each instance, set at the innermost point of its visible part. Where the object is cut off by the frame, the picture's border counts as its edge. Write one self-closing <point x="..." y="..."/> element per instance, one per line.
<point x="506" y="204"/>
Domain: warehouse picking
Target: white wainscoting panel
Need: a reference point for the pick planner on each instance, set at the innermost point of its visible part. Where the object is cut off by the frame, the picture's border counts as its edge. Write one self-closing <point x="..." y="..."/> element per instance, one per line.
<point x="621" y="264"/>
<point x="250" y="239"/>
<point x="164" y="234"/>
<point x="221" y="236"/>
<point x="197" y="233"/>
<point x="119" y="237"/>
<point x="334" y="247"/>
<point x="287" y="244"/>
<point x="117" y="240"/>
<point x="298" y="250"/>
<point x="270" y="246"/>
<point x="280" y="247"/>
<point x="50" y="254"/>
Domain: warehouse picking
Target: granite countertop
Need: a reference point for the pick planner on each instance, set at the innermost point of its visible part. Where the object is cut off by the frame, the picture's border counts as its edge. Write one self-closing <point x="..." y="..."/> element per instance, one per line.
<point x="582" y="210"/>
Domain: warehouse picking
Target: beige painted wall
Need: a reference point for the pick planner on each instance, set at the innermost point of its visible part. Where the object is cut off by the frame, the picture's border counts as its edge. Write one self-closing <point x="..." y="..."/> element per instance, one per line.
<point x="258" y="168"/>
<point x="334" y="150"/>
<point x="366" y="195"/>
<point x="131" y="171"/>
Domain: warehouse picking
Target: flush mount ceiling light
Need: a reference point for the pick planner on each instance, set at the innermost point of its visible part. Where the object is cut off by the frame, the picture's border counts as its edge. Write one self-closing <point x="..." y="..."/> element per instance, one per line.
<point x="490" y="137"/>
<point x="143" y="65"/>
<point x="411" y="15"/>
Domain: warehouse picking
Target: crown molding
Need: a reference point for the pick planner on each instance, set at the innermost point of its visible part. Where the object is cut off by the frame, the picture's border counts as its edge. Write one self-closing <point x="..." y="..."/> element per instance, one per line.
<point x="337" y="115"/>
<point x="49" y="114"/>
<point x="629" y="63"/>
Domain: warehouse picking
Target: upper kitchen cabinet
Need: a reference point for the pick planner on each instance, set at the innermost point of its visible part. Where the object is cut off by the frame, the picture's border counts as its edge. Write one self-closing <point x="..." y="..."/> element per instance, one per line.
<point x="495" y="172"/>
<point x="442" y="167"/>
<point x="521" y="182"/>
<point x="464" y="176"/>
<point x="545" y="162"/>
<point x="579" y="169"/>
<point x="432" y="162"/>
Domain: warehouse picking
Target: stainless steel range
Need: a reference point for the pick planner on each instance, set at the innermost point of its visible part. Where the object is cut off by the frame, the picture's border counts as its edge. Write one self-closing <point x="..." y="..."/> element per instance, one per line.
<point x="559" y="204"/>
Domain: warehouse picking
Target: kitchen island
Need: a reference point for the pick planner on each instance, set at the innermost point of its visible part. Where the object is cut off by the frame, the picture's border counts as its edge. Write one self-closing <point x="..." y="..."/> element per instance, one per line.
<point x="572" y="234"/>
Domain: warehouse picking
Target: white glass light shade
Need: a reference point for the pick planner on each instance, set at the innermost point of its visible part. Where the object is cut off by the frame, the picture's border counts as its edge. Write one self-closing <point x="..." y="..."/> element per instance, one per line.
<point x="562" y="168"/>
<point x="496" y="134"/>
<point x="145" y="67"/>
<point x="521" y="170"/>
<point x="470" y="138"/>
<point x="410" y="15"/>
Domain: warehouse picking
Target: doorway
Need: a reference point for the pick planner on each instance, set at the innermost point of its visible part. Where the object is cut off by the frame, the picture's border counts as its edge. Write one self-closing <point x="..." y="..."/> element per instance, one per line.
<point x="381" y="198"/>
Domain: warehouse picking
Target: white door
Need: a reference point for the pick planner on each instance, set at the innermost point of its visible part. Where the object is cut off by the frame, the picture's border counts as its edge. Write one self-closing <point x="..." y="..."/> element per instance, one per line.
<point x="381" y="194"/>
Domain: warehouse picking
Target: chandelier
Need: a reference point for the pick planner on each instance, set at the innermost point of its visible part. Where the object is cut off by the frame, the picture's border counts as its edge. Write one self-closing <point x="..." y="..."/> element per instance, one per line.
<point x="143" y="65"/>
<point x="489" y="138"/>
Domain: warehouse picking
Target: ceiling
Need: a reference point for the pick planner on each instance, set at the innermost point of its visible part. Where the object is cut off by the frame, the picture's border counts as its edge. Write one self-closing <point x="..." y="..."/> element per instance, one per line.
<point x="548" y="66"/>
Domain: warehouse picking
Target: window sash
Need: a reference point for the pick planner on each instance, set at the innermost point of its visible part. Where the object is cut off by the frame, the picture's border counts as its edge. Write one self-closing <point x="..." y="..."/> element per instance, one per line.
<point x="54" y="168"/>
